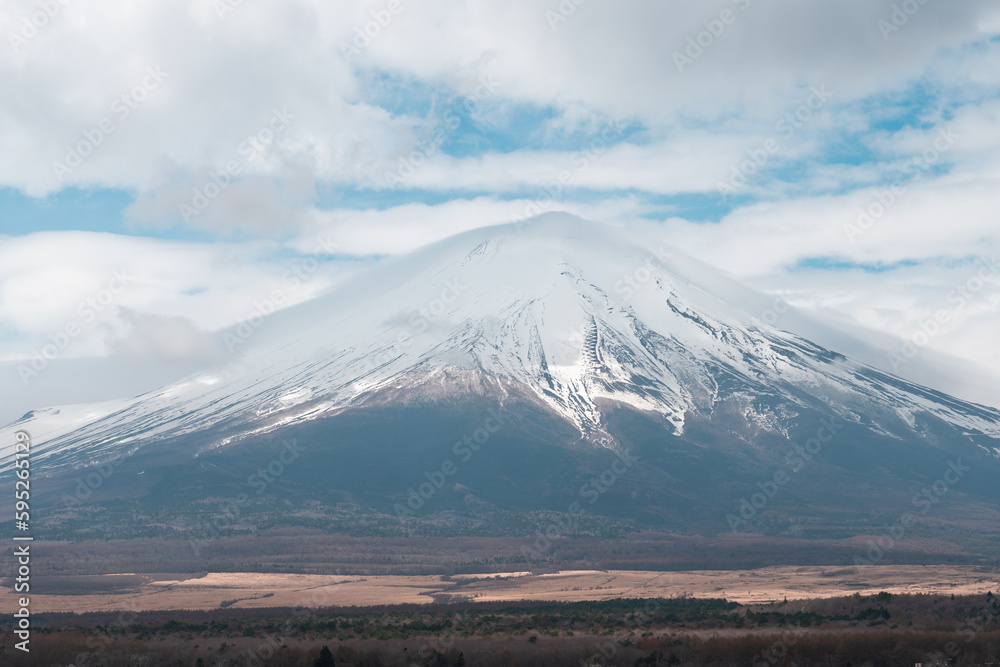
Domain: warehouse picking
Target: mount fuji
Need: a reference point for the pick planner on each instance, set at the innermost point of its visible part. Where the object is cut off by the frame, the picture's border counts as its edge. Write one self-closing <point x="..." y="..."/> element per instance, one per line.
<point x="533" y="366"/>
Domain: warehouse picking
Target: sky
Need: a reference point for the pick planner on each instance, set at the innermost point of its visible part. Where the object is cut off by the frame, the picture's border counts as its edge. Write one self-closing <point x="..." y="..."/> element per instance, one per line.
<point x="165" y="167"/>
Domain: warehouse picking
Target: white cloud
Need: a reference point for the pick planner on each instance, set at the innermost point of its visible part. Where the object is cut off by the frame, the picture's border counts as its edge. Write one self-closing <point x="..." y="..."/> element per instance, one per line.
<point x="165" y="339"/>
<point x="224" y="76"/>
<point x="90" y="294"/>
<point x="945" y="311"/>
<point x="400" y="229"/>
<point x="164" y="96"/>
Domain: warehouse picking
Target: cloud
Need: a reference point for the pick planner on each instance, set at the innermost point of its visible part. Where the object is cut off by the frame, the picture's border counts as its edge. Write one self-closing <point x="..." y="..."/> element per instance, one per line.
<point x="225" y="204"/>
<point x="341" y="132"/>
<point x="158" y="338"/>
<point x="82" y="291"/>
<point x="400" y="229"/>
<point x="161" y="97"/>
<point x="945" y="312"/>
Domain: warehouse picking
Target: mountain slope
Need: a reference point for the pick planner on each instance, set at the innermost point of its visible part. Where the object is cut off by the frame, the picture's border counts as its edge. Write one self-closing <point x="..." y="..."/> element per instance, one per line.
<point x="583" y="334"/>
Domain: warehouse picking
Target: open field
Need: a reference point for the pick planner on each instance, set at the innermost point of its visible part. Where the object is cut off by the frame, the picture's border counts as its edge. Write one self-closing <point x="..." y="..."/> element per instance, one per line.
<point x="877" y="630"/>
<point x="96" y="593"/>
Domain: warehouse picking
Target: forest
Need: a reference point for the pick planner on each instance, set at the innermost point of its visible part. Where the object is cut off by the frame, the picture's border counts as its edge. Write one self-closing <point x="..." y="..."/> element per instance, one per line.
<point x="881" y="630"/>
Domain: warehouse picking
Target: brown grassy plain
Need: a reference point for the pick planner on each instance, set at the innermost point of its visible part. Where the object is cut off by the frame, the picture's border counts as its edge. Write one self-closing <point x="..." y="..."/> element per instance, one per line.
<point x="92" y="593"/>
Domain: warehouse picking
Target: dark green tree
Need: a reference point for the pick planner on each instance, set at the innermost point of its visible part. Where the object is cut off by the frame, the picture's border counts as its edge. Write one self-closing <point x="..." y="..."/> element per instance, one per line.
<point x="325" y="658"/>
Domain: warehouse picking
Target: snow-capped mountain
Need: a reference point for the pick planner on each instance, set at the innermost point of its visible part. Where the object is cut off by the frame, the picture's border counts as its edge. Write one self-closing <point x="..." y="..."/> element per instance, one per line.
<point x="575" y="312"/>
<point x="577" y="320"/>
